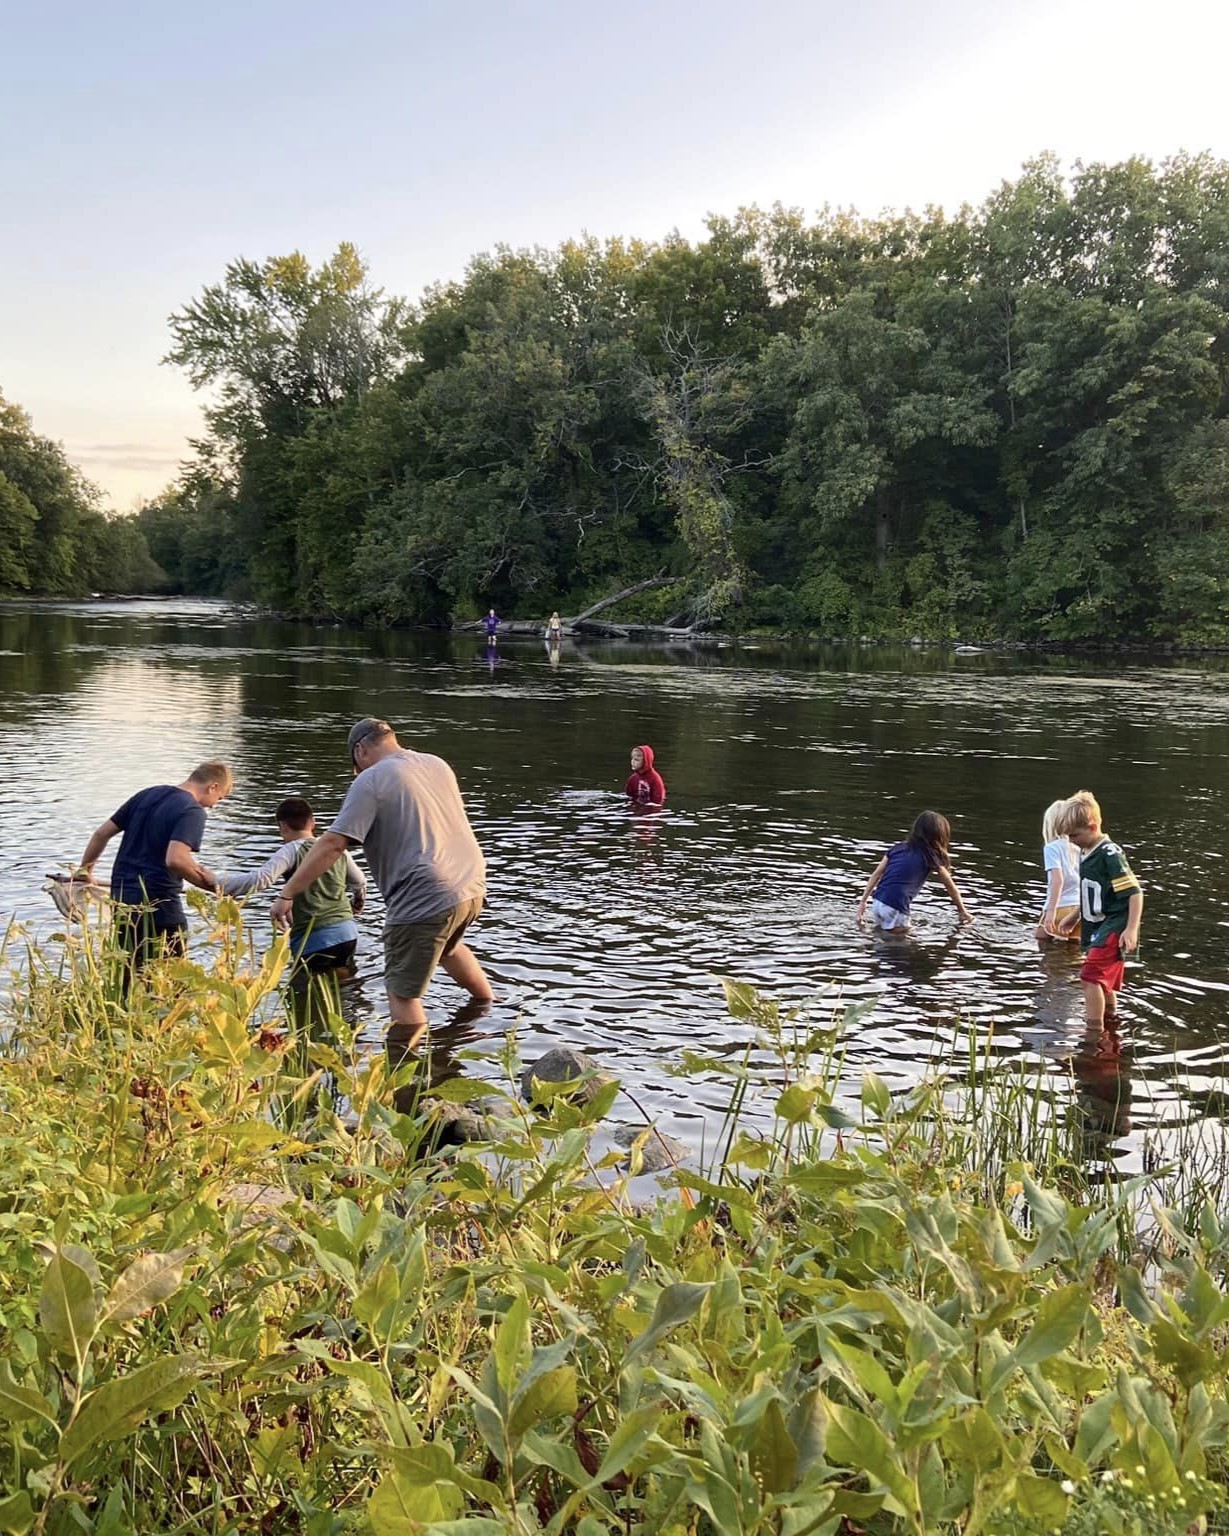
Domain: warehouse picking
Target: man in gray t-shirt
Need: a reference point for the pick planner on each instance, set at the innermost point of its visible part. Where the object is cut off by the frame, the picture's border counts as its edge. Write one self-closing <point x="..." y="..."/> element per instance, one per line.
<point x="406" y="810"/>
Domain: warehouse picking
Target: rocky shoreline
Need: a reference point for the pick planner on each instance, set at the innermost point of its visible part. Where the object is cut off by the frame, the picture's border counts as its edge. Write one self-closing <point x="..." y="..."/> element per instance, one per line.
<point x="521" y="629"/>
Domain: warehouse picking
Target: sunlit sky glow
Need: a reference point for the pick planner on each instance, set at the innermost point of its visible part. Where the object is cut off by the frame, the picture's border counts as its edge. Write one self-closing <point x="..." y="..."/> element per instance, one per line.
<point x="148" y="142"/>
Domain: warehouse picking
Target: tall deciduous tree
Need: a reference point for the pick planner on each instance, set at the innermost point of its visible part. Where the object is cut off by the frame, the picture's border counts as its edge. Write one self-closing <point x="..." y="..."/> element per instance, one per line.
<point x="281" y="344"/>
<point x="880" y="408"/>
<point x="1005" y="419"/>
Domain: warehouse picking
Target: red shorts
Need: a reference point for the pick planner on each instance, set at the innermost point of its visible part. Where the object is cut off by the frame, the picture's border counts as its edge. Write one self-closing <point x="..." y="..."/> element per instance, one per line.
<point x="1104" y="965"/>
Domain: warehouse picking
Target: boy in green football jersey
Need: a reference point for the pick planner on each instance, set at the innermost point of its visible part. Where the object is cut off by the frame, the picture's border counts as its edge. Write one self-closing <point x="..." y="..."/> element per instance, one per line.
<point x="1111" y="906"/>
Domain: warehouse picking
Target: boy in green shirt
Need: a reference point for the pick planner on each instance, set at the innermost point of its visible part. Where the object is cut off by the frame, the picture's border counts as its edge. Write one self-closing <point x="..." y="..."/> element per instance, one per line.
<point x="323" y="933"/>
<point x="1111" y="907"/>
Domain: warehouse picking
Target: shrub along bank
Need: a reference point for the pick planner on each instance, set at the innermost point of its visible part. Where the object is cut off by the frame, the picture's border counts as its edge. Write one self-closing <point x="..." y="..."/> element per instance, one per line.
<point x="239" y="1293"/>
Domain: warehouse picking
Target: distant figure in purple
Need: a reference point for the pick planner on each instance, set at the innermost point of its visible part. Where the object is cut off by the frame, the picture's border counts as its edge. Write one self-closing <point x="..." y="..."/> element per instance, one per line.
<point x="492" y="626"/>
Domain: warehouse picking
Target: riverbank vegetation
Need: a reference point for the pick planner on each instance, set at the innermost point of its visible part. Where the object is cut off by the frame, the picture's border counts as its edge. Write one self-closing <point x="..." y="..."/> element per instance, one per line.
<point x="54" y="538"/>
<point x="240" y="1293"/>
<point x="1006" y="421"/>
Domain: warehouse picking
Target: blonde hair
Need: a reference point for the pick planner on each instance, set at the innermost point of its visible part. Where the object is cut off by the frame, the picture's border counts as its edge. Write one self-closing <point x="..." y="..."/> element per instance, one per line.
<point x="213" y="771"/>
<point x="1080" y="811"/>
<point x="1049" y="822"/>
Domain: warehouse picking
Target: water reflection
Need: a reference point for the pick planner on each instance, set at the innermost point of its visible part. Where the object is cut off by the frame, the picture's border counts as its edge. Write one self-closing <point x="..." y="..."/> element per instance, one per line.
<point x="41" y="656"/>
<point x="900" y="954"/>
<point x="787" y="767"/>
<point x="443" y="1049"/>
<point x="1100" y="1067"/>
<point x="440" y="1056"/>
<point x="1059" y="995"/>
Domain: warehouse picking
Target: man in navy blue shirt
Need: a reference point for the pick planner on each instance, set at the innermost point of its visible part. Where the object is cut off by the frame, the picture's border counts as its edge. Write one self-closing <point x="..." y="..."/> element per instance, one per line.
<point x="161" y="831"/>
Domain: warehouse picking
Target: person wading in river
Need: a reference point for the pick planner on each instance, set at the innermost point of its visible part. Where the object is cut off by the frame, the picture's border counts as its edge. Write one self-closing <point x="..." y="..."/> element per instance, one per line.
<point x="406" y="810"/>
<point x="323" y="932"/>
<point x="162" y="829"/>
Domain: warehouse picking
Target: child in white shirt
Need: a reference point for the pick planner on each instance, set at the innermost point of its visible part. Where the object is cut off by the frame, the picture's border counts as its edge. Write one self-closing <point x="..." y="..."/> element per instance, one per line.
<point x="1061" y="918"/>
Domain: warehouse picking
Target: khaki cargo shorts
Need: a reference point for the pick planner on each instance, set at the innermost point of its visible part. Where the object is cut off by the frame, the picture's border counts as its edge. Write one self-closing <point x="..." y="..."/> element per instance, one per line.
<point x="413" y="950"/>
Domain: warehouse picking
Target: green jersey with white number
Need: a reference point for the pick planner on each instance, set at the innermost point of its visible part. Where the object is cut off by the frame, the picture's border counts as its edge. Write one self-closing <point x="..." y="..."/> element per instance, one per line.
<point x="1106" y="888"/>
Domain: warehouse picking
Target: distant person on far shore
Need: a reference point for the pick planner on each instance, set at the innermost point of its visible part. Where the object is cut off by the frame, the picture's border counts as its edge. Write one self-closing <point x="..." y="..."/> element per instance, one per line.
<point x="323" y="933"/>
<point x="904" y="870"/>
<point x="1061" y="917"/>
<point x="161" y="829"/>
<point x="646" y="786"/>
<point x="492" y="626"/>
<point x="1111" y="907"/>
<point x="554" y="628"/>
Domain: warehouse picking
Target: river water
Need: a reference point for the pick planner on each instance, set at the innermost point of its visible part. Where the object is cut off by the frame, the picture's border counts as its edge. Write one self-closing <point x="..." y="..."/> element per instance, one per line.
<point x="789" y="770"/>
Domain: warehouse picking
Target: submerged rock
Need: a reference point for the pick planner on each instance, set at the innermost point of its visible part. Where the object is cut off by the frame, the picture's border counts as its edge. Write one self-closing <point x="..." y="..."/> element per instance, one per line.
<point x="256" y="1197"/>
<point x="259" y="1205"/>
<point x="658" y="1152"/>
<point x="453" y="1125"/>
<point x="562" y="1064"/>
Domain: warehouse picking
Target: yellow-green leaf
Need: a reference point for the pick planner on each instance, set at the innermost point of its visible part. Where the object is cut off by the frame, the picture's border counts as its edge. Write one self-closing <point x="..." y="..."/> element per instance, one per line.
<point x="774" y="1456"/>
<point x="148" y="1280"/>
<point x="119" y="1405"/>
<point x="551" y="1394"/>
<point x="66" y="1307"/>
<point x="18" y="1403"/>
<point x="16" y="1514"/>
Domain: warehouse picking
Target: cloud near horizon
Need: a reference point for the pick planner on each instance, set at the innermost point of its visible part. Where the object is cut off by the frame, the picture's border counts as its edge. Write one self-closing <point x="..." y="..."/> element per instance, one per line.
<point x="142" y="458"/>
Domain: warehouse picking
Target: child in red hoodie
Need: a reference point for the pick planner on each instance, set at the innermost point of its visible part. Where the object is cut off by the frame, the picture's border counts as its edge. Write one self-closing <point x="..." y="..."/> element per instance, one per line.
<point x="646" y="786"/>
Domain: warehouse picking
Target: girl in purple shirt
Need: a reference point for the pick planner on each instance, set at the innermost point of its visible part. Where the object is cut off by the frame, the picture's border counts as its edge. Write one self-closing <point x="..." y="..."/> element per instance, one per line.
<point x="905" y="868"/>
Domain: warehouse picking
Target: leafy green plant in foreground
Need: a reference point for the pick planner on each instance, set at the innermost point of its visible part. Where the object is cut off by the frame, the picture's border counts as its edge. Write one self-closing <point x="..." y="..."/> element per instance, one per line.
<point x="225" y="1308"/>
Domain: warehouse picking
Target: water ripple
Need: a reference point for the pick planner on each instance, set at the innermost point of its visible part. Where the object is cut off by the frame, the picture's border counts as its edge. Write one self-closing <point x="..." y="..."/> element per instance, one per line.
<point x="788" y="773"/>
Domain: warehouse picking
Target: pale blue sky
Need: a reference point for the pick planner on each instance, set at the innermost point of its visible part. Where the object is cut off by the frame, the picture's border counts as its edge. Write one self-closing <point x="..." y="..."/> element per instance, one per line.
<point x="147" y="144"/>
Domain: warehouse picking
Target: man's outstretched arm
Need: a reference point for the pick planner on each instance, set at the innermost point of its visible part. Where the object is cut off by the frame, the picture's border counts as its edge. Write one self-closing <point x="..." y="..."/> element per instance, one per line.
<point x="98" y="841"/>
<point x="181" y="861"/>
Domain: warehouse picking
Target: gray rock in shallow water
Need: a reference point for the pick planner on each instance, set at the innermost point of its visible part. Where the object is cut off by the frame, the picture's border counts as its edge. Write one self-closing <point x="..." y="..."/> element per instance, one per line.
<point x="259" y="1205"/>
<point x="455" y="1124"/>
<point x="659" y="1151"/>
<point x="257" y="1197"/>
<point x="560" y="1065"/>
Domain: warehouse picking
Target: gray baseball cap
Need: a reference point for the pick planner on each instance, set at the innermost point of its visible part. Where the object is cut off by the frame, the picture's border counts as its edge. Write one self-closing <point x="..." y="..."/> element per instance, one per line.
<point x="369" y="725"/>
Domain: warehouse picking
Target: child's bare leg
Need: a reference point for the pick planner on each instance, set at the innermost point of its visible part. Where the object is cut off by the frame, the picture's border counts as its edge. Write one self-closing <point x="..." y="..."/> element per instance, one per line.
<point x="1111" y="1006"/>
<point x="1094" y="1002"/>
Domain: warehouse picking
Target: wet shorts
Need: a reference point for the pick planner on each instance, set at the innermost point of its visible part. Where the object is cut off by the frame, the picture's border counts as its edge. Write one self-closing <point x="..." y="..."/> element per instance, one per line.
<point x="1066" y="923"/>
<point x="887" y="917"/>
<point x="323" y="962"/>
<point x="413" y="950"/>
<point x="1104" y="965"/>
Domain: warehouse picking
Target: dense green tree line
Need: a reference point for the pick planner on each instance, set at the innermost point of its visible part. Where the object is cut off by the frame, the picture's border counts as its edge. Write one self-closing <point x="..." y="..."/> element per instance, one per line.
<point x="54" y="540"/>
<point x="1008" y="421"/>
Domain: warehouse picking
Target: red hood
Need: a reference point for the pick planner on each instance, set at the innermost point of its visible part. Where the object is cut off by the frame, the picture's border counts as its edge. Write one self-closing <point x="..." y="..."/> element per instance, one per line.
<point x="648" y="758"/>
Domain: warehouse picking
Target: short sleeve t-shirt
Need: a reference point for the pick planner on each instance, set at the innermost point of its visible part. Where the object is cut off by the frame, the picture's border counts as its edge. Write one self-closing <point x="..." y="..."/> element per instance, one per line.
<point x="151" y="820"/>
<point x="908" y="867"/>
<point x="407" y="812"/>
<point x="1062" y="854"/>
<point x="1106" y="888"/>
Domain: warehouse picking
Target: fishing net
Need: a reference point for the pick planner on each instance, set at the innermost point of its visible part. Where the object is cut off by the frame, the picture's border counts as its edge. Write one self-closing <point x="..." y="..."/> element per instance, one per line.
<point x="75" y="896"/>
